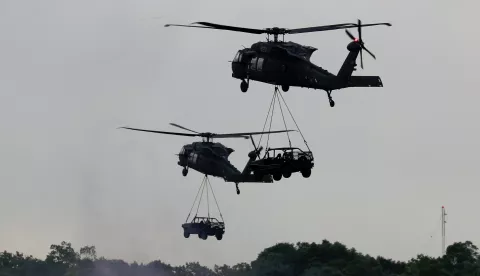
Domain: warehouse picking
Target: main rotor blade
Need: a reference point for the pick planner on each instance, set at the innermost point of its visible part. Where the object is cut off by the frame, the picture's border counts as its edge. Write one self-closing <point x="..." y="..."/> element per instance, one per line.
<point x="162" y="132"/>
<point x="321" y="28"/>
<point x="243" y="134"/>
<point x="189" y="26"/>
<point x="231" y="28"/>
<point x="179" y="126"/>
<point x="331" y="27"/>
<point x="208" y="25"/>
<point x="376" y="24"/>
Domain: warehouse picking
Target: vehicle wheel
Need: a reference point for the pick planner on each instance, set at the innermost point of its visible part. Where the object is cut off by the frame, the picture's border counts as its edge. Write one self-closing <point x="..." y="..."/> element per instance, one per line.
<point x="287" y="171"/>
<point x="306" y="173"/>
<point x="186" y="234"/>
<point x="285" y="88"/>
<point x="219" y="236"/>
<point x="184" y="171"/>
<point x="244" y="86"/>
<point x="277" y="176"/>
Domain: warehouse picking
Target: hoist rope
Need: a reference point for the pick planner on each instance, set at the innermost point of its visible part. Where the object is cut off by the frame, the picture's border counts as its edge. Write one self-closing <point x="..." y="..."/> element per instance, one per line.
<point x="203" y="187"/>
<point x="216" y="202"/>
<point x="295" y="122"/>
<point x="198" y="192"/>
<point x="208" y="201"/>
<point x="271" y="109"/>
<point x="283" y="117"/>
<point x="205" y="184"/>
<point x="271" y="120"/>
<point x="266" y="119"/>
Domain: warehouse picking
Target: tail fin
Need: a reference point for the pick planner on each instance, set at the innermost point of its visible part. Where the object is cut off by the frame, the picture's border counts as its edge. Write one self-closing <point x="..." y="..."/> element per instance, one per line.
<point x="345" y="73"/>
<point x="348" y="65"/>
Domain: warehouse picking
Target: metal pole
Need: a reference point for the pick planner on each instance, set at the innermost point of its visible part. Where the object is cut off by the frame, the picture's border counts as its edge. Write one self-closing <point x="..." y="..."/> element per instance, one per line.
<point x="444" y="221"/>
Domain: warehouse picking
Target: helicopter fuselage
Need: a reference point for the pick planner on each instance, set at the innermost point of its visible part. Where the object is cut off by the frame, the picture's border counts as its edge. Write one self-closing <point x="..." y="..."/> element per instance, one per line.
<point x="288" y="64"/>
<point x="207" y="158"/>
<point x="280" y="63"/>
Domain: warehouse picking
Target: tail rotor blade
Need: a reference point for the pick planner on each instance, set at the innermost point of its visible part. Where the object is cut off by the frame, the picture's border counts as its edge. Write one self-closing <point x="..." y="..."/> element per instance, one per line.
<point x="361" y="59"/>
<point x="360" y="30"/>
<point x="369" y="52"/>
<point x="350" y="35"/>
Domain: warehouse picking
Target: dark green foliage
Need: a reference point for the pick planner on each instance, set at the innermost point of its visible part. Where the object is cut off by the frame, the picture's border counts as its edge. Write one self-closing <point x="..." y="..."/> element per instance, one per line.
<point x="302" y="259"/>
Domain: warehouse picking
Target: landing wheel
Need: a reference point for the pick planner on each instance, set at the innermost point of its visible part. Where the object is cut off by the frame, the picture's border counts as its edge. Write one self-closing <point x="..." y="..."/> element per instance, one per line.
<point x="186" y="234"/>
<point x="306" y="173"/>
<point x="332" y="103"/>
<point x="219" y="236"/>
<point x="285" y="88"/>
<point x="244" y="86"/>
<point x="277" y="176"/>
<point x="238" y="190"/>
<point x="185" y="171"/>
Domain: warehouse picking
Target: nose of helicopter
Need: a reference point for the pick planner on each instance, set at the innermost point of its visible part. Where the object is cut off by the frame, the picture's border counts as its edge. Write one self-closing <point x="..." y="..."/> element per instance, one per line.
<point x="239" y="66"/>
<point x="182" y="157"/>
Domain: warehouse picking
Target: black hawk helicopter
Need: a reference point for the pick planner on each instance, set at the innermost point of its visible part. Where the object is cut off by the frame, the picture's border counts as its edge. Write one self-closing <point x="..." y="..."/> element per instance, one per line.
<point x="288" y="63"/>
<point x="211" y="158"/>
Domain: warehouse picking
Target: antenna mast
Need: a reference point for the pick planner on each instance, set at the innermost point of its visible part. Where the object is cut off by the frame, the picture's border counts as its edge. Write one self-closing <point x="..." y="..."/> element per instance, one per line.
<point x="444" y="221"/>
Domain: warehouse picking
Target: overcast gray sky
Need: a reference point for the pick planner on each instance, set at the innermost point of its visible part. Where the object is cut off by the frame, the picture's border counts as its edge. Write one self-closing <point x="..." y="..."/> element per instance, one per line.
<point x="386" y="159"/>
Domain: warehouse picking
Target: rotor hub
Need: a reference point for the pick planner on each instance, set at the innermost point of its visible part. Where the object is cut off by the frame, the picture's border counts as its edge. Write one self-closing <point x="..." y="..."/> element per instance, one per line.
<point x="276" y="31"/>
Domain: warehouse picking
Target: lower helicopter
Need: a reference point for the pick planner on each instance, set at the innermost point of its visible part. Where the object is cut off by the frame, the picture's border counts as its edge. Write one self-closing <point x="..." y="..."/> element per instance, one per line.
<point x="209" y="158"/>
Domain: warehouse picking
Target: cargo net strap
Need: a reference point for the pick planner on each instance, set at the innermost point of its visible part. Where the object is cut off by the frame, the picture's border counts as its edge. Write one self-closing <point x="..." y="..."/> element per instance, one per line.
<point x="205" y="184"/>
<point x="276" y="97"/>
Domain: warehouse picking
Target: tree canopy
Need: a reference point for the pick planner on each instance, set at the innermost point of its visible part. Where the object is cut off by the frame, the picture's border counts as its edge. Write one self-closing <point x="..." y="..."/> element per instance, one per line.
<point x="282" y="259"/>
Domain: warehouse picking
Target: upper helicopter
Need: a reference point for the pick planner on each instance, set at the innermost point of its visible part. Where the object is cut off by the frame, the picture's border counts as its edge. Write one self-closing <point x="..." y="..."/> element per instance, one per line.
<point x="288" y="63"/>
<point x="211" y="158"/>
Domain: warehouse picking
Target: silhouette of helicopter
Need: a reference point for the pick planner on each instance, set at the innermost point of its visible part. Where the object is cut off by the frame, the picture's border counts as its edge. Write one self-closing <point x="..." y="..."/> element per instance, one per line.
<point x="288" y="63"/>
<point x="211" y="158"/>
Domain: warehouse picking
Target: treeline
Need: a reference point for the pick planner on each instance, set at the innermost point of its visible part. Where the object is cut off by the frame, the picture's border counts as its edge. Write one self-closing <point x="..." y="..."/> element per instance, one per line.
<point x="302" y="259"/>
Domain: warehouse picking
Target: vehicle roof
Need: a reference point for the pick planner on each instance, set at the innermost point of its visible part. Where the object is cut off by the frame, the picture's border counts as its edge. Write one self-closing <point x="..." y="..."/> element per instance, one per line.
<point x="286" y="148"/>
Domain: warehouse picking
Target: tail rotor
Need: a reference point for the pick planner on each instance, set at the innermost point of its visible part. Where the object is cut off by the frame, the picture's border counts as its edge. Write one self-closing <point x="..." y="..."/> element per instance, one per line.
<point x="359" y="40"/>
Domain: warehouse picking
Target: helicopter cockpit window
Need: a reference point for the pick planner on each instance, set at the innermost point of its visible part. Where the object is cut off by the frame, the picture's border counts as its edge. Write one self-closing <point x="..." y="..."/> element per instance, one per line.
<point x="237" y="57"/>
<point x="260" y="64"/>
<point x="182" y="151"/>
<point x="253" y="63"/>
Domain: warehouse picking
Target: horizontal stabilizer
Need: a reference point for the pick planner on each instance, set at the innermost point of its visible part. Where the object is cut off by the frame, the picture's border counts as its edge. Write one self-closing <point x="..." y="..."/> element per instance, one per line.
<point x="365" y="81"/>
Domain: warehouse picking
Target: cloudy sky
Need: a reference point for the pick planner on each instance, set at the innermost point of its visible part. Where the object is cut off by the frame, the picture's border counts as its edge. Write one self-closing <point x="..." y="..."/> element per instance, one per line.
<point x="386" y="159"/>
